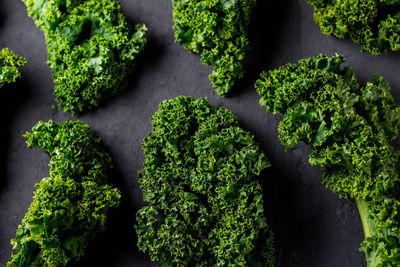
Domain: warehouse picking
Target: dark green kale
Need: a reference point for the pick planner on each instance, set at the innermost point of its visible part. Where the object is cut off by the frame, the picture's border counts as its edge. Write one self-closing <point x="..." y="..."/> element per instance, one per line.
<point x="205" y="204"/>
<point x="9" y="66"/>
<point x="348" y="129"/>
<point x="70" y="207"/>
<point x="373" y="24"/>
<point x="218" y="30"/>
<point x="91" y="49"/>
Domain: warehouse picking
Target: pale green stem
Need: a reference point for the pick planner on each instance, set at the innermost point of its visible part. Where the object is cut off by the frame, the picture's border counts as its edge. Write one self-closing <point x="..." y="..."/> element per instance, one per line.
<point x="362" y="209"/>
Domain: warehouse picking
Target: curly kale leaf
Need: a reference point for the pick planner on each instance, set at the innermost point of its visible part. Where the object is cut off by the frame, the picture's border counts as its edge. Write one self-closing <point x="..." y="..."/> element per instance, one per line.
<point x="71" y="205"/>
<point x="205" y="204"/>
<point x="374" y="25"/>
<point x="348" y="129"/>
<point x="91" y="49"/>
<point x="218" y="30"/>
<point x="9" y="66"/>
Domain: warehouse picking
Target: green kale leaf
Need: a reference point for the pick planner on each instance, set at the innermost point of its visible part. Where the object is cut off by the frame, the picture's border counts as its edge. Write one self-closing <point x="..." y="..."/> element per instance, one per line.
<point x="218" y="30"/>
<point x="71" y="205"/>
<point x="205" y="204"/>
<point x="91" y="49"/>
<point x="348" y="129"/>
<point x="9" y="66"/>
<point x="374" y="25"/>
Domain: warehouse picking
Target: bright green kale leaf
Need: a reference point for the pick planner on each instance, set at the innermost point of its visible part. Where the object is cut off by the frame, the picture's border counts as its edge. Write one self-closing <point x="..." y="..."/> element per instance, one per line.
<point x="91" y="49"/>
<point x="70" y="207"/>
<point x="373" y="24"/>
<point x="218" y="30"/>
<point x="348" y="128"/>
<point x="205" y="204"/>
<point x="9" y="66"/>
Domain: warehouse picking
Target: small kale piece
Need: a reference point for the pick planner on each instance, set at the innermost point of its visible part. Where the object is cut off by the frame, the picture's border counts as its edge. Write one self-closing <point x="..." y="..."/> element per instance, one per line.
<point x="205" y="204"/>
<point x="374" y="25"/>
<point x="348" y="129"/>
<point x="91" y="49"/>
<point x="217" y="30"/>
<point x="70" y="207"/>
<point x="9" y="66"/>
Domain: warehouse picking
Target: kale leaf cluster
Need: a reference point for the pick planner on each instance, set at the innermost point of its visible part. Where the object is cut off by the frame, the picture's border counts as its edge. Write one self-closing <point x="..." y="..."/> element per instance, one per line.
<point x="9" y="66"/>
<point x="348" y="128"/>
<point x="91" y="49"/>
<point x="373" y="24"/>
<point x="218" y="30"/>
<point x="205" y="206"/>
<point x="71" y="205"/>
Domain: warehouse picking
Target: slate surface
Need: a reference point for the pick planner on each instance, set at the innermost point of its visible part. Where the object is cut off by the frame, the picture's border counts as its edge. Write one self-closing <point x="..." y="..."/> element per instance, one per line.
<point x="313" y="226"/>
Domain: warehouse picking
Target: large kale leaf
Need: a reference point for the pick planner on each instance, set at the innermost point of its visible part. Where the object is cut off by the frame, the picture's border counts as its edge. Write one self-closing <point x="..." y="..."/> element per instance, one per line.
<point x="9" y="66"/>
<point x="205" y="206"/>
<point x="218" y="30"/>
<point x="349" y="129"/>
<point x="71" y="205"/>
<point x="91" y="49"/>
<point x="373" y="24"/>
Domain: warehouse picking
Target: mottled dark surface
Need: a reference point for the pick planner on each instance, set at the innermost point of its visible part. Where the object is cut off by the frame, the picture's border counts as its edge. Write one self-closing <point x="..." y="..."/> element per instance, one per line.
<point x="313" y="226"/>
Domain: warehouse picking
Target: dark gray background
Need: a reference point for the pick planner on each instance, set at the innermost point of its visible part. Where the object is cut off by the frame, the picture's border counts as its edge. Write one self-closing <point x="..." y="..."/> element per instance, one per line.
<point x="313" y="226"/>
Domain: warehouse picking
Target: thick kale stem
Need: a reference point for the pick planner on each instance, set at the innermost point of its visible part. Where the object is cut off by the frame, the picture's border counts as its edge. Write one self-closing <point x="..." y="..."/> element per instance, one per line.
<point x="372" y="254"/>
<point x="363" y="210"/>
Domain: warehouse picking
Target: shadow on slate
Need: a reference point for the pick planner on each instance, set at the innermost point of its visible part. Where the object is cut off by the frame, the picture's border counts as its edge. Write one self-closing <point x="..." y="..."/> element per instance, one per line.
<point x="1" y="20"/>
<point x="395" y="88"/>
<point x="275" y="190"/>
<point x="278" y="188"/>
<point x="281" y="205"/>
<point x="268" y="20"/>
<point x="12" y="97"/>
<point x="151" y="56"/>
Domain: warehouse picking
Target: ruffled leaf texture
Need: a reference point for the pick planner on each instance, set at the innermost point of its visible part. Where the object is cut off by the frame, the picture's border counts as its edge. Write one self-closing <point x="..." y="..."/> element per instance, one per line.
<point x="205" y="205"/>
<point x="348" y="128"/>
<point x="218" y="31"/>
<point x="70" y="206"/>
<point x="91" y="49"/>
<point x="373" y="24"/>
<point x="10" y="64"/>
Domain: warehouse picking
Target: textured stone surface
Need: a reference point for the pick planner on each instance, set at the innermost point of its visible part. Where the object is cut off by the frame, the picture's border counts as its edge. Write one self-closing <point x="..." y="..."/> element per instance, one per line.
<point x="313" y="226"/>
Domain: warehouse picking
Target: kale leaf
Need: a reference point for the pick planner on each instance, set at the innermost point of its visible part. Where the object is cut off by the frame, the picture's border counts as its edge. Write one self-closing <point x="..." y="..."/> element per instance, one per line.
<point x="217" y="30"/>
<point x="348" y="129"/>
<point x="374" y="25"/>
<point x="70" y="207"/>
<point x="205" y="204"/>
<point x="91" y="49"/>
<point x="9" y="66"/>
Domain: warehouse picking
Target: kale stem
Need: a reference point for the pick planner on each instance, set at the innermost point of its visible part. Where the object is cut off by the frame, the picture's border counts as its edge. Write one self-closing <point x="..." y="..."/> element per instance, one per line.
<point x="363" y="210"/>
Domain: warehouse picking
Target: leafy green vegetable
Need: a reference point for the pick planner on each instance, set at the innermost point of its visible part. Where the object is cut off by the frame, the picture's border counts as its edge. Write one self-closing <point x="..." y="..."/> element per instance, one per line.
<point x="70" y="207"/>
<point x="348" y="128"/>
<point x="205" y="205"/>
<point x="91" y="49"/>
<point x="9" y="66"/>
<point x="373" y="24"/>
<point x="217" y="30"/>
